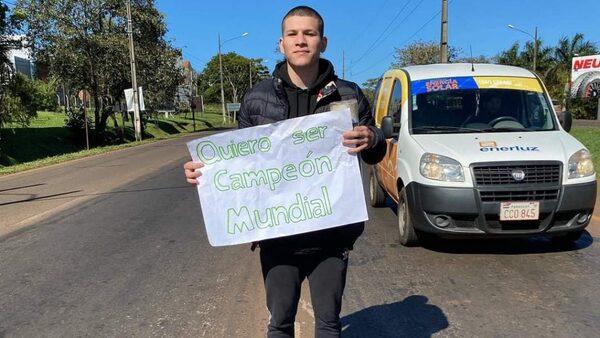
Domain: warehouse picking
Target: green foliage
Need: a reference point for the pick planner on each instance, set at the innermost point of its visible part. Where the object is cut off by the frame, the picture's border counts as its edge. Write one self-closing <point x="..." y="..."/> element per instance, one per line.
<point x="553" y="63"/>
<point x="46" y="140"/>
<point x="85" y="45"/>
<point x="369" y="87"/>
<point x="236" y="77"/>
<point x="585" y="108"/>
<point x="421" y="53"/>
<point x="18" y="101"/>
<point x="23" y="98"/>
<point x="75" y="119"/>
<point x="44" y="95"/>
<point x="15" y="105"/>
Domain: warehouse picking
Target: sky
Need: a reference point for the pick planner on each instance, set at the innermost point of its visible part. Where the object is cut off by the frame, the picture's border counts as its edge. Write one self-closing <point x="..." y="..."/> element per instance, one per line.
<point x="363" y="34"/>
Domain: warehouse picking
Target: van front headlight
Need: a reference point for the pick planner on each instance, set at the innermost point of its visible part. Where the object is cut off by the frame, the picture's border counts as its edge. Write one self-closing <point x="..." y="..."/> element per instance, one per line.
<point x="580" y="164"/>
<point x="441" y="168"/>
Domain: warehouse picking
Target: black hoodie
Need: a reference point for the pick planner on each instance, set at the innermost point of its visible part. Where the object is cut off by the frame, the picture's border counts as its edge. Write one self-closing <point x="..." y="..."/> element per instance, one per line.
<point x="278" y="99"/>
<point x="303" y="101"/>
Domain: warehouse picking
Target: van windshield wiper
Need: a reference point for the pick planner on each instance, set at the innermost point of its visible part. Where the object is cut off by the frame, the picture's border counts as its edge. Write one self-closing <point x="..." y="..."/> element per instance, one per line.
<point x="505" y="129"/>
<point x="447" y="129"/>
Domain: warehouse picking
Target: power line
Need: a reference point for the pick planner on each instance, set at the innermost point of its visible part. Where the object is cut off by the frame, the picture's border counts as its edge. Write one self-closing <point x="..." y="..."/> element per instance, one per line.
<point x="401" y="22"/>
<point x="407" y="40"/>
<point x="365" y="27"/>
<point x="395" y="28"/>
<point x="194" y="57"/>
<point x="425" y="24"/>
<point x="380" y="35"/>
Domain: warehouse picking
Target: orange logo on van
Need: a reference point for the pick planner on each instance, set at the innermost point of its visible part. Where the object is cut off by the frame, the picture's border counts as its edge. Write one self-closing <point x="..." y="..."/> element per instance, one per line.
<point x="487" y="144"/>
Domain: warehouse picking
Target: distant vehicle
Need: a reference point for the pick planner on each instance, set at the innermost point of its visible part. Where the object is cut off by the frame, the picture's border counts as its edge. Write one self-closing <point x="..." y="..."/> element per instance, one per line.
<point x="477" y="150"/>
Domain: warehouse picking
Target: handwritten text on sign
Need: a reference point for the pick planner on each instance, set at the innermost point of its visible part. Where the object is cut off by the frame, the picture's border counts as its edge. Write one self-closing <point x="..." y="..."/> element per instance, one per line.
<point x="277" y="180"/>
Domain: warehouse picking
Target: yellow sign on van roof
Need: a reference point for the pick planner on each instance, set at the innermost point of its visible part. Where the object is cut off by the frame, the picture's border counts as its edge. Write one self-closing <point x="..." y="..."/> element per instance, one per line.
<point x="505" y="82"/>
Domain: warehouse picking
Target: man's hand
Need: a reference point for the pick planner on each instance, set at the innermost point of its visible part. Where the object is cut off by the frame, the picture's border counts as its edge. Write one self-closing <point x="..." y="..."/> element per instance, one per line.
<point x="190" y="171"/>
<point x="359" y="139"/>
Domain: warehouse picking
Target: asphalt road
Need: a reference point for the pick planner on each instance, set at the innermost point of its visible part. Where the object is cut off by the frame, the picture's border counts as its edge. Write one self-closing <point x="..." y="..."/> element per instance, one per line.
<point x="127" y="255"/>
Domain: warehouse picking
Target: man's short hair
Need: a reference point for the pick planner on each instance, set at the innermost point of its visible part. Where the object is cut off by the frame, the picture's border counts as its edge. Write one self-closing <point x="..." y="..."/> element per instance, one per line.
<point x="305" y="11"/>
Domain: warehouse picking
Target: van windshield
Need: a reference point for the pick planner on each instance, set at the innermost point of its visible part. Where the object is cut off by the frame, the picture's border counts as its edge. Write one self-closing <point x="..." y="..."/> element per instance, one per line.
<point x="480" y="110"/>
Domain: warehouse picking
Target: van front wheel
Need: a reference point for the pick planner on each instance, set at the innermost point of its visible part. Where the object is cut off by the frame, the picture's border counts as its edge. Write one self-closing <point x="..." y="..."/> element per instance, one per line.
<point x="406" y="230"/>
<point x="376" y="192"/>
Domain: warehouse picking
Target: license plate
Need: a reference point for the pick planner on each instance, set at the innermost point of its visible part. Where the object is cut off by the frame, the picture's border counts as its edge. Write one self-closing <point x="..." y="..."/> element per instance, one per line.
<point x="519" y="211"/>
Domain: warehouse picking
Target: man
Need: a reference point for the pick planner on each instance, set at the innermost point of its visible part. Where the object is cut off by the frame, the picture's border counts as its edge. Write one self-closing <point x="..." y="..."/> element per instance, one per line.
<point x="493" y="105"/>
<point x="491" y="108"/>
<point x="305" y="84"/>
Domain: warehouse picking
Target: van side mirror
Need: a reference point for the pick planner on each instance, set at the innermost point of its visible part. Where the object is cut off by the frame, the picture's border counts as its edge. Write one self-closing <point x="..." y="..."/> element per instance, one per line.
<point x="387" y="126"/>
<point x="566" y="120"/>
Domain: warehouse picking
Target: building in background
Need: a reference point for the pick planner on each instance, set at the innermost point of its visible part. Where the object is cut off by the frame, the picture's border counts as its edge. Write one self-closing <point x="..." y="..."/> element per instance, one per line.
<point x="21" y="60"/>
<point x="187" y="89"/>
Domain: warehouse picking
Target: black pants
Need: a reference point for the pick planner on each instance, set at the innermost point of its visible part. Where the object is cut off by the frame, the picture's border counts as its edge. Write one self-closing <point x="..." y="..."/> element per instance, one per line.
<point x="283" y="275"/>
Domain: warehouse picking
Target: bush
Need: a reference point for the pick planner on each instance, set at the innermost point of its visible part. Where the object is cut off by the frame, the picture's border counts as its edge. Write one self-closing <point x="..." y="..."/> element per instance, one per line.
<point x="44" y="95"/>
<point x="16" y="101"/>
<point x="76" y="119"/>
<point x="21" y="99"/>
<point x="584" y="108"/>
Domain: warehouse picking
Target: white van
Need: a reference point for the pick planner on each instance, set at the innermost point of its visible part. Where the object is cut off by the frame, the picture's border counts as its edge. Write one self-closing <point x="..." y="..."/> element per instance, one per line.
<point x="477" y="150"/>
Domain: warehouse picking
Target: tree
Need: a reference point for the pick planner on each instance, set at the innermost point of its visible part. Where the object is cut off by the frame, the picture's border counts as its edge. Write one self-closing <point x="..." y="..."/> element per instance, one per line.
<point x="369" y="87"/>
<point x="510" y="56"/>
<point x="514" y="56"/>
<point x="558" y="75"/>
<point x="473" y="59"/>
<point x="16" y="103"/>
<point x="553" y="63"/>
<point x="236" y="77"/>
<point x="84" y="43"/>
<point x="421" y="53"/>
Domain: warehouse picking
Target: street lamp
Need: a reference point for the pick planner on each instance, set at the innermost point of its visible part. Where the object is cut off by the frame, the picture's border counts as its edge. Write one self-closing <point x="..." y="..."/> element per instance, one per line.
<point x="535" y="43"/>
<point x="221" y="72"/>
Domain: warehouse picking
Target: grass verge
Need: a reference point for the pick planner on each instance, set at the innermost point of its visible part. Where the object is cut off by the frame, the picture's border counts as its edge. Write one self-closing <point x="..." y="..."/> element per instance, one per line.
<point x="47" y="141"/>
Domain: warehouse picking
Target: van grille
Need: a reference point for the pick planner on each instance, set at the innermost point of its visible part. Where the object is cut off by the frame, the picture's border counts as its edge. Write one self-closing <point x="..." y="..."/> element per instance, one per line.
<point x="529" y="195"/>
<point x="502" y="174"/>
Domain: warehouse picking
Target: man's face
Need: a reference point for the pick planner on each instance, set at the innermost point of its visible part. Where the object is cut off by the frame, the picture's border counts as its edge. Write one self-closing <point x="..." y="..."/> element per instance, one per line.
<point x="301" y="43"/>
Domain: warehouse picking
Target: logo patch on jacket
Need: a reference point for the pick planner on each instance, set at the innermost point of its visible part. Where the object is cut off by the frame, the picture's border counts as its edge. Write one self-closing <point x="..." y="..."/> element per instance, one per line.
<point x="327" y="90"/>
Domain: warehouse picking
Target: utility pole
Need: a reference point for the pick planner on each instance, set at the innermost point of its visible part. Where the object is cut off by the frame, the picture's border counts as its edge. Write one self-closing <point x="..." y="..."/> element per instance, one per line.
<point x="343" y="64"/>
<point x="136" y="107"/>
<point x="221" y="79"/>
<point x="535" y="49"/>
<point x="444" y="35"/>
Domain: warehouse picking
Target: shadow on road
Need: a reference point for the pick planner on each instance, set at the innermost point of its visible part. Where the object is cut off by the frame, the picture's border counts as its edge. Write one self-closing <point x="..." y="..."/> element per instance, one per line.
<point x="498" y="246"/>
<point x="45" y="197"/>
<point x="70" y="196"/>
<point x="412" y="317"/>
<point x="506" y="246"/>
<point x="22" y="187"/>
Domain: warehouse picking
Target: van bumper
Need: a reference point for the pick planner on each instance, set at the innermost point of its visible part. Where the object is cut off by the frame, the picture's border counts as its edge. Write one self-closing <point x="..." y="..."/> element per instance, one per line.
<point x="461" y="211"/>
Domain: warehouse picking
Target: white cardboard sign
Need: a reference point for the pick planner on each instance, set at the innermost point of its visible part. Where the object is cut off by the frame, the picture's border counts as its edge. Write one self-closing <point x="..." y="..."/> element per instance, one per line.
<point x="129" y="99"/>
<point x="281" y="179"/>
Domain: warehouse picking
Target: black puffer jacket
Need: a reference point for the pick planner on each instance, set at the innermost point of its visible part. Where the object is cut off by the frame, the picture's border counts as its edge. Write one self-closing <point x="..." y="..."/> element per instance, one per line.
<point x="278" y="99"/>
